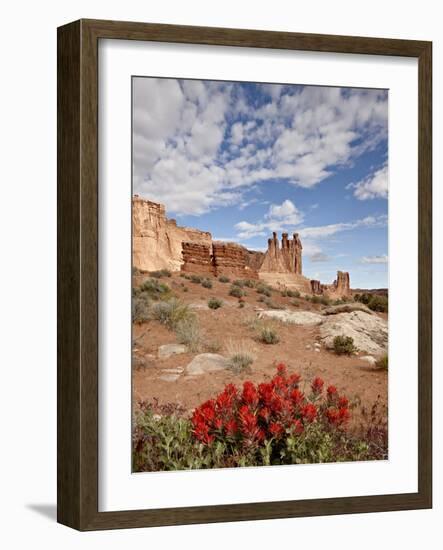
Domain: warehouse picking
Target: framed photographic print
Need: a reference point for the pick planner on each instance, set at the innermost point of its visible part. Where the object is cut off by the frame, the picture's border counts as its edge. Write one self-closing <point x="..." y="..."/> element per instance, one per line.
<point x="244" y="275"/>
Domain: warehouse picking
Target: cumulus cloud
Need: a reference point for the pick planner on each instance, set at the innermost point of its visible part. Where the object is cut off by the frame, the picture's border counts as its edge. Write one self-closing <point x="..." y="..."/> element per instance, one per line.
<point x="278" y="218"/>
<point x="373" y="186"/>
<point x="198" y="145"/>
<point x="382" y="259"/>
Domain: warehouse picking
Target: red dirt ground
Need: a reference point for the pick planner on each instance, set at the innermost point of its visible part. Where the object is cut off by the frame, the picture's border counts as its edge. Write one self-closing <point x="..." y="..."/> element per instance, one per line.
<point x="351" y="375"/>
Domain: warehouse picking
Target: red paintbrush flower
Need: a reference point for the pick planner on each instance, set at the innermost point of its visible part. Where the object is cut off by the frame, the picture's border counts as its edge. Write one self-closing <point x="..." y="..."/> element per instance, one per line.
<point x="276" y="429"/>
<point x="249" y="394"/>
<point x="309" y="412"/>
<point x="317" y="385"/>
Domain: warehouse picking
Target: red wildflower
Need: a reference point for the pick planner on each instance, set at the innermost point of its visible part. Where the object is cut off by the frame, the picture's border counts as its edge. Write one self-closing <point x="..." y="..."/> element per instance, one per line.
<point x="281" y="369"/>
<point x="343" y="402"/>
<point x="231" y="427"/>
<point x="332" y="392"/>
<point x="294" y="379"/>
<point x="264" y="413"/>
<point x="332" y="415"/>
<point x="248" y="420"/>
<point x="317" y="385"/>
<point x="250" y="394"/>
<point x="278" y="382"/>
<point x="309" y="412"/>
<point x="297" y="396"/>
<point x="343" y="414"/>
<point x="266" y="393"/>
<point x="297" y="426"/>
<point x="207" y="410"/>
<point x="276" y="429"/>
<point x="218" y="423"/>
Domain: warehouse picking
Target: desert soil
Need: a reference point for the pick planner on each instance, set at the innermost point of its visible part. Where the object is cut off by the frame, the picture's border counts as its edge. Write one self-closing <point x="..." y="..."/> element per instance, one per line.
<point x="350" y="374"/>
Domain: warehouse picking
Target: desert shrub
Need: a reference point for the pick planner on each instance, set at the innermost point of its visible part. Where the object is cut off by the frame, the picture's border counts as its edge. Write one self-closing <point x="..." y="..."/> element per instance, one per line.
<point x="267" y="335"/>
<point x="295" y="303"/>
<point x="154" y="289"/>
<point x="344" y="345"/>
<point x="241" y="304"/>
<point x="207" y="283"/>
<point x="290" y="293"/>
<point x="215" y="303"/>
<point x="188" y="333"/>
<point x="238" y="282"/>
<point x="325" y="301"/>
<point x="241" y="355"/>
<point x="315" y="299"/>
<point x="373" y="301"/>
<point x="379" y="303"/>
<point x="271" y="304"/>
<point x="263" y="289"/>
<point x="171" y="313"/>
<point x="224" y="279"/>
<point x="236" y="291"/>
<point x="213" y="346"/>
<point x="382" y="362"/>
<point x="160" y="273"/>
<point x="249" y="283"/>
<point x="196" y="279"/>
<point x="140" y="308"/>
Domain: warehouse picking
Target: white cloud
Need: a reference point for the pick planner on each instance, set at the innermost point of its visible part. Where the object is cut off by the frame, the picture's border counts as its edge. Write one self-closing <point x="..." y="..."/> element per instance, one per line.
<point x="373" y="186"/>
<point x="193" y="153"/>
<point x="383" y="259"/>
<point x="324" y="231"/>
<point x="319" y="257"/>
<point x="278" y="218"/>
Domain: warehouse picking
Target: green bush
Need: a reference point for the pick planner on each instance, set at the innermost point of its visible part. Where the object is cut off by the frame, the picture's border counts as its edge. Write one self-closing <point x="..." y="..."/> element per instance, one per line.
<point x="154" y="289"/>
<point x="140" y="308"/>
<point x="160" y="273"/>
<point x="373" y="301"/>
<point x="241" y="304"/>
<point x="344" y="345"/>
<point x="188" y="333"/>
<point x="325" y="301"/>
<point x="170" y="313"/>
<point x="196" y="279"/>
<point x="263" y="289"/>
<point x="249" y="283"/>
<point x="224" y="279"/>
<point x="271" y="304"/>
<point x="215" y="303"/>
<point x="315" y="299"/>
<point x="267" y="335"/>
<point x="238" y="283"/>
<point x="236" y="291"/>
<point x="207" y="283"/>
<point x="240" y="362"/>
<point x="290" y="293"/>
<point x="382" y="362"/>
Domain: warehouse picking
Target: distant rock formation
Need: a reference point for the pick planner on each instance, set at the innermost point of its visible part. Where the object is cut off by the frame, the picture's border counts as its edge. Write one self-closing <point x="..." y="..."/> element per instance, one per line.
<point x="220" y="258"/>
<point x="287" y="259"/>
<point x="158" y="243"/>
<point x="156" y="240"/>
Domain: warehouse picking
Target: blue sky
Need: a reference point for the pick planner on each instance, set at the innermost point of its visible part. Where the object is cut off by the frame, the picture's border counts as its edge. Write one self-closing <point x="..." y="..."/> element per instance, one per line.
<point x="243" y="159"/>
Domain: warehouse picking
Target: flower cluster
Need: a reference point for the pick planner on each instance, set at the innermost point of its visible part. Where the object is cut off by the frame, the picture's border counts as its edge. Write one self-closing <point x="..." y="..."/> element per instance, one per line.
<point x="268" y="411"/>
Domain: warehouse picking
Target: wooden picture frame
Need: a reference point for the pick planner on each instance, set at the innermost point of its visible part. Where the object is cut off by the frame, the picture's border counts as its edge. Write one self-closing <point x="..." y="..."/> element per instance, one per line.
<point x="77" y="457"/>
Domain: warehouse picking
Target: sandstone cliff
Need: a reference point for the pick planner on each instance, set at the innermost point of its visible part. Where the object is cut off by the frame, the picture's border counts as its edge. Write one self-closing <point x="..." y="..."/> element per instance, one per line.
<point x="157" y="241"/>
<point x="286" y="259"/>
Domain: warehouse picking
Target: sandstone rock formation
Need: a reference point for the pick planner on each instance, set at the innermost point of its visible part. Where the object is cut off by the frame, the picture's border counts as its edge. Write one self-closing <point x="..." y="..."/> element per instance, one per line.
<point x="156" y="240"/>
<point x="197" y="258"/>
<point x="316" y="287"/>
<point x="286" y="259"/>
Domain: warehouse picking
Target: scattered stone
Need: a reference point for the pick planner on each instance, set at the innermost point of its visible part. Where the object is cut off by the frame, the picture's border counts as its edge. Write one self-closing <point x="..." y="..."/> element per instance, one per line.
<point x="177" y="370"/>
<point x="369" y="359"/>
<point x="369" y="332"/>
<point x="168" y="350"/>
<point x="308" y="346"/>
<point x="317" y="350"/>
<point x="199" y="306"/>
<point x="293" y="317"/>
<point x="169" y="377"/>
<point x="206" y="362"/>
<point x="317" y="345"/>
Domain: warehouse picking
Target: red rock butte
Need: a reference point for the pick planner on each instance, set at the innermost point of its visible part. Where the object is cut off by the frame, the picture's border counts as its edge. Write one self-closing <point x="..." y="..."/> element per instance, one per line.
<point x="159" y="243"/>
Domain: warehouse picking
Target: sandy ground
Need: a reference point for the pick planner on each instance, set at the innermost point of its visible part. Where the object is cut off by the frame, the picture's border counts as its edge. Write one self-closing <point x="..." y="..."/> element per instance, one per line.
<point x="352" y="376"/>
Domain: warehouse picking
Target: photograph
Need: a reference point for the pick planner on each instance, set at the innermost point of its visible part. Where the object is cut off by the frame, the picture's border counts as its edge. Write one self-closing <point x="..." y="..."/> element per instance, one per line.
<point x="260" y="274"/>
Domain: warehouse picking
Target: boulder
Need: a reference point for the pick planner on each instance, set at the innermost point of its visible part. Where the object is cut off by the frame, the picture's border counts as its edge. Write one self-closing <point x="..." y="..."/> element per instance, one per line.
<point x="370" y="332"/>
<point x="168" y="350"/>
<point x="294" y="317"/>
<point x="206" y="362"/>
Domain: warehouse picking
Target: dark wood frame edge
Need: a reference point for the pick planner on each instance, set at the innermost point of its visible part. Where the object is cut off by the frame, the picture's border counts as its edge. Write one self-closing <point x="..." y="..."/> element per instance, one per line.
<point x="77" y="249"/>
